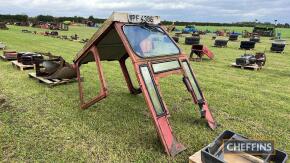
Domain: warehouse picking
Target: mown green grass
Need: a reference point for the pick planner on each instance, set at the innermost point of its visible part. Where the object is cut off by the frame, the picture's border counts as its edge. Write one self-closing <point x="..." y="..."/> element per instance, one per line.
<point x="38" y="123"/>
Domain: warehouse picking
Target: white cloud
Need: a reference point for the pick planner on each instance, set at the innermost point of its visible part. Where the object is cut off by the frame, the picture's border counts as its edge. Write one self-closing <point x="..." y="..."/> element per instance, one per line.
<point x="186" y="10"/>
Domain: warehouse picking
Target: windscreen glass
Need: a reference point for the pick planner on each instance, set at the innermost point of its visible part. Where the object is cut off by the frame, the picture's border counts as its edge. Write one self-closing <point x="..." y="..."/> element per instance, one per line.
<point x="149" y="41"/>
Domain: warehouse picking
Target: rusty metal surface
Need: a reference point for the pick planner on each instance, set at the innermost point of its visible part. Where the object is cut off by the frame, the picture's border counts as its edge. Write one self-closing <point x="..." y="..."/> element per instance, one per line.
<point x="65" y="72"/>
<point x="10" y="54"/>
<point x="53" y="67"/>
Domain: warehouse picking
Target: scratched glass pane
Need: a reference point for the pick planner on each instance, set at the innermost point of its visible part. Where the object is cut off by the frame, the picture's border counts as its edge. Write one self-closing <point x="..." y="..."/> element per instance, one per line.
<point x="149" y="41"/>
<point x="192" y="81"/>
<point x="152" y="91"/>
<point x="165" y="66"/>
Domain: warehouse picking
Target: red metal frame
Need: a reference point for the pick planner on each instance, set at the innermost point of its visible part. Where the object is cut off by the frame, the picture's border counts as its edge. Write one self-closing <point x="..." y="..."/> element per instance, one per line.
<point x="103" y="92"/>
<point x="172" y="147"/>
<point x="131" y="88"/>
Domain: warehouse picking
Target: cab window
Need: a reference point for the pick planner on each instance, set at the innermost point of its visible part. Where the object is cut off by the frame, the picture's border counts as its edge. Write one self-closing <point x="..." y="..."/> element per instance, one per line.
<point x="150" y="41"/>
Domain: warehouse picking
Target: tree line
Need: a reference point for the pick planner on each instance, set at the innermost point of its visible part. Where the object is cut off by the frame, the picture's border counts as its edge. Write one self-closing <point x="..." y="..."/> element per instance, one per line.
<point x="78" y="19"/>
<point x="47" y="18"/>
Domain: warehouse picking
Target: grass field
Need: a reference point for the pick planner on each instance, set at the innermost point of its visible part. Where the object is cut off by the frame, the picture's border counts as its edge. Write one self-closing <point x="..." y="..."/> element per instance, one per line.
<point x="38" y="123"/>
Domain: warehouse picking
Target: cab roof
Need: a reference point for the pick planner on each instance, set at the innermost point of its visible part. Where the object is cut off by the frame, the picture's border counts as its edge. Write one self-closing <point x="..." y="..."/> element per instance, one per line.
<point x="107" y="40"/>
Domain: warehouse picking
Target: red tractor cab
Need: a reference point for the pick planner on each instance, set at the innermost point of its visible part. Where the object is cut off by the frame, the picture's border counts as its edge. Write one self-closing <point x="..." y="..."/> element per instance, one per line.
<point x="154" y="55"/>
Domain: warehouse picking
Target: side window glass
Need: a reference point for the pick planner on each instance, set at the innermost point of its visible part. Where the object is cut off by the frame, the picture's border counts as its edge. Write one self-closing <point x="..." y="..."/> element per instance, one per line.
<point x="152" y="90"/>
<point x="192" y="81"/>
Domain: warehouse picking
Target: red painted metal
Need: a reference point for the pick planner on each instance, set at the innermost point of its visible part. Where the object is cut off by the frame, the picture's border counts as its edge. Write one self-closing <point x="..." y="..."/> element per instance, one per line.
<point x="103" y="92"/>
<point x="131" y="88"/>
<point x="201" y="50"/>
<point x="205" y="111"/>
<point x="170" y="143"/>
<point x="208" y="52"/>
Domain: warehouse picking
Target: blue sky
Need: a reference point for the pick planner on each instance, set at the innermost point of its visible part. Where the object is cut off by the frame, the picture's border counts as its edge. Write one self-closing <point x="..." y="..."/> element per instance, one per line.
<point x="174" y="10"/>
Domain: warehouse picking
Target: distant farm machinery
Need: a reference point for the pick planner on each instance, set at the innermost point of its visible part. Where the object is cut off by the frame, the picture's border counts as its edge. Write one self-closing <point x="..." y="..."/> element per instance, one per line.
<point x="200" y="51"/>
<point x="247" y="45"/>
<point x="255" y="37"/>
<point x="278" y="46"/>
<point x="54" y="67"/>
<point x="233" y="37"/>
<point x="194" y="40"/>
<point x="251" y="61"/>
<point x="221" y="43"/>
<point x="3" y="26"/>
<point x="189" y="29"/>
<point x="258" y="59"/>
<point x="9" y="55"/>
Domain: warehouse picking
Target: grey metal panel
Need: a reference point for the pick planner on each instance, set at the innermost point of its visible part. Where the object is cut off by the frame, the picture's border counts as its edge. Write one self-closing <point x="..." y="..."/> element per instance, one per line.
<point x="109" y="48"/>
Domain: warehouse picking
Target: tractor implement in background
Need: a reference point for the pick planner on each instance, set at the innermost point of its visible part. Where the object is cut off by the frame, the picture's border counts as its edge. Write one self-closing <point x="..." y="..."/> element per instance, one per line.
<point x="233" y="37"/>
<point x="247" y="45"/>
<point x="200" y="51"/>
<point x="53" y="67"/>
<point x="154" y="55"/>
<point x="9" y="55"/>
<point x="49" y="69"/>
<point x="250" y="61"/>
<point x="255" y="38"/>
<point x="193" y="40"/>
<point x="278" y="46"/>
<point x="3" y="26"/>
<point x="221" y="43"/>
<point x="189" y="29"/>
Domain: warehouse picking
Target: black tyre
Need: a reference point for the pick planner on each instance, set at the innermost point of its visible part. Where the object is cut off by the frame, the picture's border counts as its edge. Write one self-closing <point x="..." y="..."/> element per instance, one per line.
<point x="192" y="40"/>
<point x="277" y="47"/>
<point x="247" y="45"/>
<point x="233" y="37"/>
<point x="220" y="43"/>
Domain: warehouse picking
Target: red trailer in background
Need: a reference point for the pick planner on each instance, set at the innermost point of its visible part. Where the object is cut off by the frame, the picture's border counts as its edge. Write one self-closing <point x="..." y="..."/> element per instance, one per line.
<point x="154" y="55"/>
<point x="200" y="51"/>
